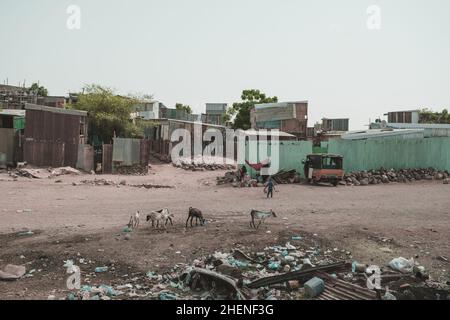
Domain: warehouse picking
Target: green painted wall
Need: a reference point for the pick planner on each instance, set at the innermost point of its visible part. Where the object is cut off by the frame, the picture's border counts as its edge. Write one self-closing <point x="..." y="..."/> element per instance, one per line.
<point x="291" y="154"/>
<point x="393" y="153"/>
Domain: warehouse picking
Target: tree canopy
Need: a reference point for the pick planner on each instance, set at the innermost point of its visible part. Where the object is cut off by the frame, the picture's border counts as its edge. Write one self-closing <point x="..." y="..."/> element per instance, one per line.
<point x="187" y="108"/>
<point x="242" y="109"/>
<point x="108" y="113"/>
<point x="428" y="116"/>
<point x="39" y="90"/>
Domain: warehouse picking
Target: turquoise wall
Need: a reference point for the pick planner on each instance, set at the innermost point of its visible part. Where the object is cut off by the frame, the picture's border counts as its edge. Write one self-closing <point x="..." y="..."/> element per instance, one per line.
<point x="395" y="153"/>
<point x="291" y="154"/>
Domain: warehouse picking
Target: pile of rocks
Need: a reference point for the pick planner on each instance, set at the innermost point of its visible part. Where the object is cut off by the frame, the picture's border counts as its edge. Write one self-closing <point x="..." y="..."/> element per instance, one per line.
<point x="43" y="173"/>
<point x="365" y="178"/>
<point x="201" y="166"/>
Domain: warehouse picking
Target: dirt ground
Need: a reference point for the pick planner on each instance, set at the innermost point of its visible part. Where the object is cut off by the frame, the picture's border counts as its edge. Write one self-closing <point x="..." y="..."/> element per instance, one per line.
<point x="375" y="223"/>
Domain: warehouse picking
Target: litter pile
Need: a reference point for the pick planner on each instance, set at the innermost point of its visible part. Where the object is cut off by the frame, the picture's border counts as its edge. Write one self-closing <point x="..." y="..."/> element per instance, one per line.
<point x="292" y="271"/>
<point x="365" y="178"/>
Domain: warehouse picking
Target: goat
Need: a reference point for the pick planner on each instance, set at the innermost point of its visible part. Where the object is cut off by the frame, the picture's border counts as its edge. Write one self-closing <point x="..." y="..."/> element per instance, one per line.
<point x="162" y="215"/>
<point x="197" y="214"/>
<point x="134" y="221"/>
<point x="261" y="216"/>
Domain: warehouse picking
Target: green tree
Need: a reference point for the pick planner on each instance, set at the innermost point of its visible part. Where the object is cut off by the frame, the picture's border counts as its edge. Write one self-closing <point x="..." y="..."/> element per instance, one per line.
<point x="187" y="108"/>
<point x="429" y="116"/>
<point x="108" y="113"/>
<point x="242" y="109"/>
<point x="39" y="90"/>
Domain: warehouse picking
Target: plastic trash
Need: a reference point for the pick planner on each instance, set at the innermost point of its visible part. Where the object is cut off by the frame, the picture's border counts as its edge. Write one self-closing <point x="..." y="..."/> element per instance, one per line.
<point x="127" y="230"/>
<point x="314" y="287"/>
<point x="71" y="297"/>
<point x="289" y="246"/>
<point x="403" y="265"/>
<point x="26" y="233"/>
<point x="296" y="238"/>
<point x="109" y="291"/>
<point x="358" y="267"/>
<point x="274" y="265"/>
<point x="101" y="269"/>
<point x="167" y="296"/>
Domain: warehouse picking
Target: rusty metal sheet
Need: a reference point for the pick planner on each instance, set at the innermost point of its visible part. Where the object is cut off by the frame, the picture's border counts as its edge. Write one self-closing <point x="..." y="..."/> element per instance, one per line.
<point x="107" y="159"/>
<point x="336" y="289"/>
<point x="145" y="152"/>
<point x="44" y="153"/>
<point x="47" y="131"/>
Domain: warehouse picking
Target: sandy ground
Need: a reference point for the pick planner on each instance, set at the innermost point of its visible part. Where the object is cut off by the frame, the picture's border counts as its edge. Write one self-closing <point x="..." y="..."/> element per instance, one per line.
<point x="375" y="223"/>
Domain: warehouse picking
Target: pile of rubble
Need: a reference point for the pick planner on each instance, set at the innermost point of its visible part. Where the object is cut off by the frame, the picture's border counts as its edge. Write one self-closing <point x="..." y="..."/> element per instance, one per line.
<point x="203" y="164"/>
<point x="232" y="177"/>
<point x="105" y="182"/>
<point x="365" y="178"/>
<point x="282" y="177"/>
<point x="292" y="271"/>
<point x="287" y="177"/>
<point x="43" y="173"/>
<point x="100" y="182"/>
<point x="162" y="157"/>
<point x="229" y="177"/>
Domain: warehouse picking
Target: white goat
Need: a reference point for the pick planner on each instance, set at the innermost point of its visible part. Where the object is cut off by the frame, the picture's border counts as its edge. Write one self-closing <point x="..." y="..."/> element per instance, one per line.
<point x="163" y="216"/>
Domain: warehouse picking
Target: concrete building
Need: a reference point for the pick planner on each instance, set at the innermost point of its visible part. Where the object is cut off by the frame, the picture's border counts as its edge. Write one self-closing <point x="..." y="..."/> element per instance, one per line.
<point x="290" y="117"/>
<point x="336" y="125"/>
<point x="215" y="112"/>
<point x="148" y="110"/>
<point x="408" y="116"/>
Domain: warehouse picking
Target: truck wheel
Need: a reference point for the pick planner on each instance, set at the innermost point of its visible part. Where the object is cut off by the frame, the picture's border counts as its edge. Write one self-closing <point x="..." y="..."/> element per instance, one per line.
<point x="335" y="183"/>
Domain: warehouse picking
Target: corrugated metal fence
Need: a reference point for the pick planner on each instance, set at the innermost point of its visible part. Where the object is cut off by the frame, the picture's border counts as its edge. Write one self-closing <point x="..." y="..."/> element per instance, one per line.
<point x="393" y="153"/>
<point x="291" y="154"/>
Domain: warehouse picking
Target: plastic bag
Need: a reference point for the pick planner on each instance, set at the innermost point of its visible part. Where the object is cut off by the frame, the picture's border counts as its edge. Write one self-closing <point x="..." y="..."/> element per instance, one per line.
<point x="403" y="265"/>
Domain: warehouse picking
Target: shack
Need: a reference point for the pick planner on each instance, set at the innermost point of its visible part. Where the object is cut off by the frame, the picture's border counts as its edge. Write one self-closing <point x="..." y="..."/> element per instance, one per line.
<point x="53" y="136"/>
<point x="11" y="128"/>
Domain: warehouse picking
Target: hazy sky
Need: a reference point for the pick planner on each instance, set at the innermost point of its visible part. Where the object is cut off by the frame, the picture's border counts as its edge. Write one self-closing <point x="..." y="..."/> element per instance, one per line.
<point x="200" y="51"/>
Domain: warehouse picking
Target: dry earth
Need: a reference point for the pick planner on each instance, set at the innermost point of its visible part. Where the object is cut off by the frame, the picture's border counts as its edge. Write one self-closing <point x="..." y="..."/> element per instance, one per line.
<point x="411" y="220"/>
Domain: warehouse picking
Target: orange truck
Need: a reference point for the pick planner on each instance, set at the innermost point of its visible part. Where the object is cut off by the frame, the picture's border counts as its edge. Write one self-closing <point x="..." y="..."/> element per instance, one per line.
<point x="324" y="168"/>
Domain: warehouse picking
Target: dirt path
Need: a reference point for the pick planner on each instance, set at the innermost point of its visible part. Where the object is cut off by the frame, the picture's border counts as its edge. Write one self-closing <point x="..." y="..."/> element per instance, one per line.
<point x="408" y="219"/>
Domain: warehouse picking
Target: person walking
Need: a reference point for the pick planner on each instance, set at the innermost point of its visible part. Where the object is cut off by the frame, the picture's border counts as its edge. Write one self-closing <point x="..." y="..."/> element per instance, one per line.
<point x="270" y="187"/>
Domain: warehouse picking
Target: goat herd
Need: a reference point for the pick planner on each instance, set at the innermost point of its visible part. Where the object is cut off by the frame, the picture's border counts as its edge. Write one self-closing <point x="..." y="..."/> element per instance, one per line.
<point x="163" y="217"/>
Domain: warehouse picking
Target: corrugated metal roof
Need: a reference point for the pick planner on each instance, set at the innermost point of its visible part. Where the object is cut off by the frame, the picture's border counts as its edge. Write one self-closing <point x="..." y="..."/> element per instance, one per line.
<point x="276" y="105"/>
<point x="419" y="125"/>
<point x="12" y="112"/>
<point x="379" y="133"/>
<point x="29" y="106"/>
<point x="268" y="133"/>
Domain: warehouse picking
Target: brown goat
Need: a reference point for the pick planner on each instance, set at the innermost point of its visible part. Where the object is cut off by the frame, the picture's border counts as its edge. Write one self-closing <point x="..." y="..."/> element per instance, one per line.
<point x="197" y="214"/>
